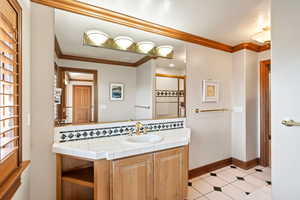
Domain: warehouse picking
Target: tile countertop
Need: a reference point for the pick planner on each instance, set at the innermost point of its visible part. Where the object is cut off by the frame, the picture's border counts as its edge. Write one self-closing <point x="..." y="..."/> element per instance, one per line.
<point x="111" y="148"/>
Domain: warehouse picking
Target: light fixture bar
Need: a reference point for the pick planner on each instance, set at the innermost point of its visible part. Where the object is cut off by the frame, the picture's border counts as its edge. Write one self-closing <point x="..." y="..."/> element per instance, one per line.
<point x="99" y="39"/>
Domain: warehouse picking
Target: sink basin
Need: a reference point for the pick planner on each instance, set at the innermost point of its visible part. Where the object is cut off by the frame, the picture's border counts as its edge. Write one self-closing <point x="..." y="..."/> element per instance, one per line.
<point x="141" y="139"/>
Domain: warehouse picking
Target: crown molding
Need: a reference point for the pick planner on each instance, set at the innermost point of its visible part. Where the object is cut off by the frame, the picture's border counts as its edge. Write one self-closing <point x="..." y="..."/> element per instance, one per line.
<point x="111" y="16"/>
<point x="119" y="18"/>
<point x="251" y="46"/>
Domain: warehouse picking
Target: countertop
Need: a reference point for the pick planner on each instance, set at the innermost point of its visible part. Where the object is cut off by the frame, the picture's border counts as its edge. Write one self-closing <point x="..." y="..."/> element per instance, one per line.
<point x="116" y="147"/>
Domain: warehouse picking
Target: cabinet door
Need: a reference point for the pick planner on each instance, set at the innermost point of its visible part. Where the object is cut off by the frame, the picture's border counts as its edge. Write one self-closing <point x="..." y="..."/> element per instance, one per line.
<point x="133" y="178"/>
<point x="170" y="174"/>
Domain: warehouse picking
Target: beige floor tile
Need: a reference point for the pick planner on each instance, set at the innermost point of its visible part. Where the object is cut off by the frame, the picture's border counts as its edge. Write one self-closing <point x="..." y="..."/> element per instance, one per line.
<point x="267" y="190"/>
<point x="244" y="186"/>
<point x="199" y="177"/>
<point x="237" y="172"/>
<point x="262" y="176"/>
<point x="249" y="171"/>
<point x="227" y="176"/>
<point x="255" y="181"/>
<point x="193" y="193"/>
<point x="234" y="192"/>
<point x="217" y="196"/>
<point x="194" y="179"/>
<point x="232" y="188"/>
<point x="202" y="198"/>
<point x="202" y="186"/>
<point x="215" y="181"/>
<point x="259" y="167"/>
<point x="259" y="195"/>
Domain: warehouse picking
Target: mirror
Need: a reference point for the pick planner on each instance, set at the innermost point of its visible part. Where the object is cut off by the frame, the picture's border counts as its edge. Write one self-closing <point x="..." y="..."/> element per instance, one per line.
<point x="107" y="72"/>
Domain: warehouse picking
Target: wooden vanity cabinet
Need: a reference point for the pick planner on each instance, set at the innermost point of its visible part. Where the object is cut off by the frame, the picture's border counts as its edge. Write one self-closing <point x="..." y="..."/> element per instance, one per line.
<point x="160" y="175"/>
<point x="170" y="174"/>
<point x="133" y="178"/>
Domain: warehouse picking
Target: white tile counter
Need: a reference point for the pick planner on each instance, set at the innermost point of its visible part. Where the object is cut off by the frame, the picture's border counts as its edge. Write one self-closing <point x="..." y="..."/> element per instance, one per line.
<point x="116" y="147"/>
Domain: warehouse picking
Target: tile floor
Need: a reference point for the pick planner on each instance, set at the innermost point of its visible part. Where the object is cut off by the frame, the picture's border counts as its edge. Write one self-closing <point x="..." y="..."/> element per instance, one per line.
<point x="232" y="183"/>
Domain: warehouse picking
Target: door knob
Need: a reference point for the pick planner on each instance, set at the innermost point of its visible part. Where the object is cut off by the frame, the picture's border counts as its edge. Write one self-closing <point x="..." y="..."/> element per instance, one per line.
<point x="290" y="123"/>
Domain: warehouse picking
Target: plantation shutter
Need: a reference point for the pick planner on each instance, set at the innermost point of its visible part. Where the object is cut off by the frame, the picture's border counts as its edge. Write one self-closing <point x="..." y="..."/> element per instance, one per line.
<point x="9" y="91"/>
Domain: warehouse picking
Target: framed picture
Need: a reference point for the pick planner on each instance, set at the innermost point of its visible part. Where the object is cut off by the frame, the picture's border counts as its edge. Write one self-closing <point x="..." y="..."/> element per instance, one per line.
<point x="116" y="91"/>
<point x="210" y="91"/>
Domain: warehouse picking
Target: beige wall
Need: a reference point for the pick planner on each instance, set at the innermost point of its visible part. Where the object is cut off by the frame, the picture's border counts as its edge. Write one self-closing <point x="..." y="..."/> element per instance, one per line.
<point x="23" y="191"/>
<point x="245" y="104"/>
<point x="42" y="179"/>
<point x="110" y="110"/>
<point x="145" y="86"/>
<point x="211" y="132"/>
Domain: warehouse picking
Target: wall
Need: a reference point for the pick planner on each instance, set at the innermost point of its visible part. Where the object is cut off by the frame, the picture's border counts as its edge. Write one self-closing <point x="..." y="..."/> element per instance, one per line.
<point x="166" y="109"/>
<point x="211" y="132"/>
<point x="251" y="104"/>
<point x="170" y="71"/>
<point x="111" y="110"/>
<point x="238" y="123"/>
<point x="23" y="191"/>
<point x="42" y="178"/>
<point x="245" y="105"/>
<point x="145" y="84"/>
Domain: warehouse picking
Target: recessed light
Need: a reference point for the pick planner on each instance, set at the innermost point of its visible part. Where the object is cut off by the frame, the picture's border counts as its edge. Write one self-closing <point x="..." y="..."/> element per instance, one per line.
<point x="145" y="47"/>
<point x="171" y="65"/>
<point x="97" y="37"/>
<point x="165" y="50"/>
<point x="123" y="42"/>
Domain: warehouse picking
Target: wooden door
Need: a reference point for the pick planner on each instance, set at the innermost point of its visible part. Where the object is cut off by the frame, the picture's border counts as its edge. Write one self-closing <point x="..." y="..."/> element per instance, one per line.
<point x="133" y="178"/>
<point x="82" y="103"/>
<point x="171" y="174"/>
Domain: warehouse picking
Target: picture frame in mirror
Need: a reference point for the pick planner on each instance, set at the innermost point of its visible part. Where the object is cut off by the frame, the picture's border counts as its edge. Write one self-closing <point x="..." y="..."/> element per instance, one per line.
<point x="116" y="91"/>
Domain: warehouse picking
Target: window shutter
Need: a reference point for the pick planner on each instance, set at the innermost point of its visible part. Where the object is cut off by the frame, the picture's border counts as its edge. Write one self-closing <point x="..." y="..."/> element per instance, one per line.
<point x="9" y="91"/>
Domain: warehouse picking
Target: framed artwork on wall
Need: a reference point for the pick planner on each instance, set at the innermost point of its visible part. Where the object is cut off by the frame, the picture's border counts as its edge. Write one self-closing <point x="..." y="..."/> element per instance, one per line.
<point x="116" y="91"/>
<point x="210" y="91"/>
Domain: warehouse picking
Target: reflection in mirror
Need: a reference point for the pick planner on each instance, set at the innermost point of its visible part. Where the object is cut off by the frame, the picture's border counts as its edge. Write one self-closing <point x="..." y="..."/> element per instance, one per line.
<point x="119" y="74"/>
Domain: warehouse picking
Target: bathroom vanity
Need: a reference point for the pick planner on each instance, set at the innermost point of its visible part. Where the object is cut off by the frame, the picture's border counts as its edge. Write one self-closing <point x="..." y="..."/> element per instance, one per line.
<point x="153" y="166"/>
<point x="102" y="102"/>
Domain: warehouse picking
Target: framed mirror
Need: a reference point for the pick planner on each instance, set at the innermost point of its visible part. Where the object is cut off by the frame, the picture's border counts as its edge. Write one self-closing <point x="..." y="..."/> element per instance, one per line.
<point x="107" y="72"/>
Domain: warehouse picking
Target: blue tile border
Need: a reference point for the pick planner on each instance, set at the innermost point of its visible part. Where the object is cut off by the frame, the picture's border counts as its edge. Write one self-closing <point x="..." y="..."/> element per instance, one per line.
<point x="85" y="134"/>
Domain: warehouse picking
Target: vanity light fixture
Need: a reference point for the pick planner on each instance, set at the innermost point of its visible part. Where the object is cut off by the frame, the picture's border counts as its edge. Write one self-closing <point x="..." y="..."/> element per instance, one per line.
<point x="123" y="42"/>
<point x="145" y="46"/>
<point x="164" y="50"/>
<point x="98" y="38"/>
<point x="263" y="36"/>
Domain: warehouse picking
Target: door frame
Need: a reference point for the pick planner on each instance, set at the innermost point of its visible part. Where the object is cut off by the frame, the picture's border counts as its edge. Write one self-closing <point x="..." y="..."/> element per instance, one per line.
<point x="61" y="71"/>
<point x="73" y="100"/>
<point x="265" y="112"/>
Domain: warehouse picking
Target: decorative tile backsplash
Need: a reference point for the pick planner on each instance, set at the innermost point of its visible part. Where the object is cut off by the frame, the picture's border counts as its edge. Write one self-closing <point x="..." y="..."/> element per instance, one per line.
<point x="84" y="132"/>
<point x="169" y="93"/>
